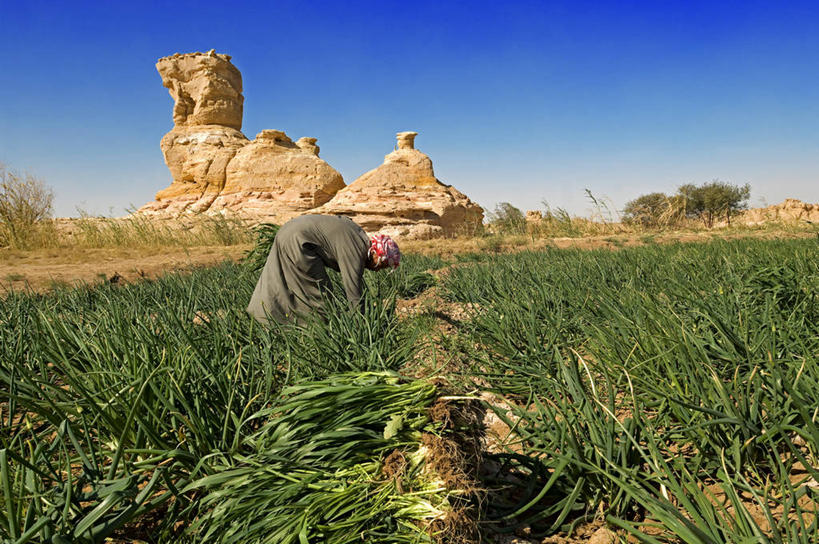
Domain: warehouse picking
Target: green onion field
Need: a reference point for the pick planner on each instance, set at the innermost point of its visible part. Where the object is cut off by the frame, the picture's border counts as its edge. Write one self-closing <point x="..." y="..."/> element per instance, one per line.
<point x="667" y="392"/>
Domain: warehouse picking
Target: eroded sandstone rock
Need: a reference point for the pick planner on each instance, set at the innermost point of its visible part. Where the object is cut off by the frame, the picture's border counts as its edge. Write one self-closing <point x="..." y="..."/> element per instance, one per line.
<point x="791" y="210"/>
<point x="197" y="157"/>
<point x="207" y="114"/>
<point x="206" y="89"/>
<point x="215" y="168"/>
<point x="273" y="169"/>
<point x="403" y="198"/>
<point x="308" y="144"/>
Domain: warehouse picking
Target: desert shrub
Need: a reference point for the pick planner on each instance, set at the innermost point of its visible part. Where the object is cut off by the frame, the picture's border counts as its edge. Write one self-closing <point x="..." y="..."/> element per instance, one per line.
<point x="707" y="203"/>
<point x="507" y="219"/>
<point x="558" y="222"/>
<point x="713" y="200"/>
<point x="26" y="204"/>
<point x="654" y="210"/>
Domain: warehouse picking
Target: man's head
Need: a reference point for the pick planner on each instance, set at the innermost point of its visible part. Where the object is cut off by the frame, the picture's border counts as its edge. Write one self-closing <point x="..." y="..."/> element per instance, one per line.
<point x="383" y="253"/>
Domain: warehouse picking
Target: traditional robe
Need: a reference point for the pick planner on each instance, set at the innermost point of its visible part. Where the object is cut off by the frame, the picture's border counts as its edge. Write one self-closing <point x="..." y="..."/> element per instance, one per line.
<point x="294" y="281"/>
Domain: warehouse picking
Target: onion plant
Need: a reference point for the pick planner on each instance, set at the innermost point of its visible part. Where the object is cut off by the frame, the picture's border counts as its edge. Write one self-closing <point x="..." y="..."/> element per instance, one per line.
<point x="668" y="386"/>
<point x="111" y="397"/>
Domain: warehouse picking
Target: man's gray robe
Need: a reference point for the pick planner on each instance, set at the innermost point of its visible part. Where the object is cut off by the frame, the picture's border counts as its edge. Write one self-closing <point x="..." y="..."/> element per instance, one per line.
<point x="294" y="280"/>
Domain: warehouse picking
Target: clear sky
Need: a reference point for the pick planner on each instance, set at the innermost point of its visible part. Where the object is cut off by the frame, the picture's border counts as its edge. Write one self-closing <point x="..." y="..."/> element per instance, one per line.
<point x="514" y="101"/>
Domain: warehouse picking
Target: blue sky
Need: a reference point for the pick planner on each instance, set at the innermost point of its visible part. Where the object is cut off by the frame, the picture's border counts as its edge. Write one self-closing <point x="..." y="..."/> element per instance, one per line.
<point x="517" y="101"/>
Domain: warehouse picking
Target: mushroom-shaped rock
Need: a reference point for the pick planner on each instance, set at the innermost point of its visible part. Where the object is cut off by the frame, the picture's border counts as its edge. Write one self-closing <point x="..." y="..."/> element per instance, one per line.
<point x="406" y="140"/>
<point x="403" y="198"/>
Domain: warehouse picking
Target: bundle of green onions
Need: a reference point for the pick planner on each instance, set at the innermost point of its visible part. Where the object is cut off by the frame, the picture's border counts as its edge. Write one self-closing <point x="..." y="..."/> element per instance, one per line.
<point x="315" y="470"/>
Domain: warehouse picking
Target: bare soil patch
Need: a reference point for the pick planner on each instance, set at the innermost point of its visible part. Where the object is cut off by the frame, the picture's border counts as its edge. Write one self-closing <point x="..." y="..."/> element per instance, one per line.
<point x="43" y="270"/>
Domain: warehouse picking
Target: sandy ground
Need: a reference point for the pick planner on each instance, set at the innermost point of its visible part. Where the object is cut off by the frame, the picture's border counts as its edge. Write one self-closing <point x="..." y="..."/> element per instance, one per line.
<point x="43" y="269"/>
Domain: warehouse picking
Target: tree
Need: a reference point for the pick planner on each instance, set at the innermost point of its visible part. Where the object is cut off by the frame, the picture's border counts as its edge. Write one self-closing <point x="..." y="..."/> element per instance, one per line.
<point x="646" y="210"/>
<point x="25" y="202"/>
<point x="711" y="200"/>
<point x="507" y="218"/>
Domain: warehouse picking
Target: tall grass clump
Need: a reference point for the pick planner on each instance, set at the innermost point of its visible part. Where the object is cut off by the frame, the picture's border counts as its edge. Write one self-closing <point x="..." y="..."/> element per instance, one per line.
<point x="551" y="222"/>
<point x="256" y="257"/>
<point x="140" y="230"/>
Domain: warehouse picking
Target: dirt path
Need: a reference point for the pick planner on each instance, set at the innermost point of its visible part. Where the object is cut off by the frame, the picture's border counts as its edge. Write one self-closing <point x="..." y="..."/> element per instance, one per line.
<point x="42" y="270"/>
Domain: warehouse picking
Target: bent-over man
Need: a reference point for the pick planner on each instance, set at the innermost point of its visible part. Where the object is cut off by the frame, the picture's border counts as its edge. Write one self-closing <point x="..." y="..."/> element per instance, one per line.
<point x="294" y="281"/>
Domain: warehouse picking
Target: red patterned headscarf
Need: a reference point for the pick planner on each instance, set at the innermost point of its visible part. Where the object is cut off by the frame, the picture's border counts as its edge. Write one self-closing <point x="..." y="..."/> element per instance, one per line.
<point x="384" y="250"/>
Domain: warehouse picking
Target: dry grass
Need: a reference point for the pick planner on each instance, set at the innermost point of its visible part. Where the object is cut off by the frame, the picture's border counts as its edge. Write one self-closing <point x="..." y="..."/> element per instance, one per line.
<point x="613" y="237"/>
<point x="136" y="231"/>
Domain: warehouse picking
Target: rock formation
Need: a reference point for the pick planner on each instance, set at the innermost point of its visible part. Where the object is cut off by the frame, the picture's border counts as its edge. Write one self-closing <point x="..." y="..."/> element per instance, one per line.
<point x="206" y="89"/>
<point x="207" y="116"/>
<point x="791" y="210"/>
<point x="534" y="216"/>
<point x="403" y="198"/>
<point x="273" y="170"/>
<point x="215" y="167"/>
<point x="197" y="158"/>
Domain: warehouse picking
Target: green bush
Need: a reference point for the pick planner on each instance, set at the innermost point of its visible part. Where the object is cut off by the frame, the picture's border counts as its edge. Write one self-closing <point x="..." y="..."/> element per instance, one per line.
<point x="713" y="200"/>
<point x="707" y="203"/>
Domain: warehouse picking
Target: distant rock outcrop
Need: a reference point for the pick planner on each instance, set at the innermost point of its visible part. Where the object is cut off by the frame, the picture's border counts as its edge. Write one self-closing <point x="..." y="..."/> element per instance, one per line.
<point x="791" y="210"/>
<point x="215" y="167"/>
<point x="403" y="198"/>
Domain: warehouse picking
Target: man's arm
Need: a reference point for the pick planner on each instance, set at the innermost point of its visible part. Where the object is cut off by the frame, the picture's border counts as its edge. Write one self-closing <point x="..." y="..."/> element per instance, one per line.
<point x="350" y="247"/>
